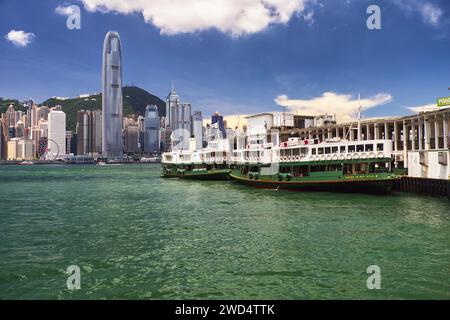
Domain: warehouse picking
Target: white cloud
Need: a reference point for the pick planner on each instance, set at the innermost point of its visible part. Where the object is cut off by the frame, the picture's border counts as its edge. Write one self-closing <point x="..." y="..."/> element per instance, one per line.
<point x="430" y="12"/>
<point x="309" y="18"/>
<point x="65" y="10"/>
<point x="424" y="108"/>
<point x="20" y="38"/>
<point x="345" y="106"/>
<point x="234" y="17"/>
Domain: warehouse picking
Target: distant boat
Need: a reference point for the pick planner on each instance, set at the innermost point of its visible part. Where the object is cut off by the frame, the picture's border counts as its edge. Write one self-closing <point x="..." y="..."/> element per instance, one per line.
<point x="151" y="160"/>
<point x="101" y="163"/>
<point x="26" y="163"/>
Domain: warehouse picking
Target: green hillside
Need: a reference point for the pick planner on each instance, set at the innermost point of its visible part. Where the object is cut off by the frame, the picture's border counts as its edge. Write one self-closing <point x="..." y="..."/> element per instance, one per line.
<point x="135" y="100"/>
<point x="4" y="104"/>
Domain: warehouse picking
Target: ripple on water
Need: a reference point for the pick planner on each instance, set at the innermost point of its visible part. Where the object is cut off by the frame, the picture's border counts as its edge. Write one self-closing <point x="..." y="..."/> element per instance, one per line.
<point x="136" y="236"/>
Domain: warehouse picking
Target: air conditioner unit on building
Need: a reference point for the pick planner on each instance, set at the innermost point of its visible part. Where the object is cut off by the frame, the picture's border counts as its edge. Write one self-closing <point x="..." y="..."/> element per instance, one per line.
<point x="423" y="158"/>
<point x="443" y="158"/>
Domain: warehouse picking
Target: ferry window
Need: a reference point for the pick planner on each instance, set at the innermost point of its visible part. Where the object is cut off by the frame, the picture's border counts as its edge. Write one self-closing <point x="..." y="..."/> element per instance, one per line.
<point x="351" y="149"/>
<point x="360" y="148"/>
<point x="380" y="147"/>
<point x="303" y="151"/>
<point x="296" y="152"/>
<point x="369" y="147"/>
<point x="320" y="151"/>
<point x="342" y="149"/>
<point x="327" y="150"/>
<point x="314" y="151"/>
<point x="335" y="150"/>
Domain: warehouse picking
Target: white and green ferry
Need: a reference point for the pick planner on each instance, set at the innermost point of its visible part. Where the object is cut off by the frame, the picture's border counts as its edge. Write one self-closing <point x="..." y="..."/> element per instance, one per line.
<point x="334" y="165"/>
<point x="211" y="163"/>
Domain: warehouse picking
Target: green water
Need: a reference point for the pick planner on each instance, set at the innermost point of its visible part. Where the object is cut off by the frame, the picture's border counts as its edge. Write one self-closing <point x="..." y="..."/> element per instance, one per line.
<point x="136" y="236"/>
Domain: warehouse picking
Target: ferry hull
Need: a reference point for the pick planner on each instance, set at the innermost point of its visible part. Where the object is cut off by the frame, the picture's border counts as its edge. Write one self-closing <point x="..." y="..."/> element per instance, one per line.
<point x="209" y="175"/>
<point x="382" y="186"/>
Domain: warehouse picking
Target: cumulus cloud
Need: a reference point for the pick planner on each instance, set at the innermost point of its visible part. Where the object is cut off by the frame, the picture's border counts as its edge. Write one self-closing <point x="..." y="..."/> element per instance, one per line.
<point x="234" y="17"/>
<point x="345" y="106"/>
<point x="20" y="38"/>
<point x="429" y="11"/>
<point x="65" y="10"/>
<point x="424" y="108"/>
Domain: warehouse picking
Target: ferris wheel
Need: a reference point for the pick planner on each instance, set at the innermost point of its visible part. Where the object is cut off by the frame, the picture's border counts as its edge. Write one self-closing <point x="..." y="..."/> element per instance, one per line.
<point x="48" y="152"/>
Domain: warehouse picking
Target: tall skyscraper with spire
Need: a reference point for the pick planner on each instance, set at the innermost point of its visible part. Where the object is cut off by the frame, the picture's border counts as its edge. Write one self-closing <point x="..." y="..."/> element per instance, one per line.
<point x="112" y="143"/>
<point x="172" y="102"/>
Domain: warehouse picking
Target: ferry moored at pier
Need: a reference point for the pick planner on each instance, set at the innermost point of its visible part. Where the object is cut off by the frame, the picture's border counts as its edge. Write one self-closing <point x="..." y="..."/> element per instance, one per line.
<point x="311" y="165"/>
<point x="211" y="163"/>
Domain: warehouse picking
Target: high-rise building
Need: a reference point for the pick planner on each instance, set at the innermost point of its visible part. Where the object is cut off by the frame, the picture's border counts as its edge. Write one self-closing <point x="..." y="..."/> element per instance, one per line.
<point x="197" y="129"/>
<point x="30" y="105"/>
<point x="10" y="116"/>
<point x="96" y="131"/>
<point x="151" y="134"/>
<point x="21" y="149"/>
<point x="172" y="103"/>
<point x="34" y="116"/>
<point x="131" y="137"/>
<point x="82" y="132"/>
<point x="20" y="129"/>
<point x="89" y="132"/>
<point x="13" y="149"/>
<point x="112" y="143"/>
<point x="218" y="124"/>
<point x="26" y="149"/>
<point x="69" y="137"/>
<point x="179" y="120"/>
<point x="56" y="134"/>
<point x="141" y="125"/>
<point x="43" y="113"/>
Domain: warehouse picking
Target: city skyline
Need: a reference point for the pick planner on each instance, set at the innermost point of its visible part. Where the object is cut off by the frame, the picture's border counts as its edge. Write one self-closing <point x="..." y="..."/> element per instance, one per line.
<point x="319" y="56"/>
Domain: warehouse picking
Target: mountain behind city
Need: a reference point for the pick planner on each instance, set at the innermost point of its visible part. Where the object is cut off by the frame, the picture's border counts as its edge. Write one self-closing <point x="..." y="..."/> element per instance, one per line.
<point x="135" y="100"/>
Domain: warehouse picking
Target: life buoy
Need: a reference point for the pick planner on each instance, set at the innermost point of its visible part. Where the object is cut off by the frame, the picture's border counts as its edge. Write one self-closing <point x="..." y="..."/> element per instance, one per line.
<point x="335" y="157"/>
<point x="349" y="156"/>
<point x="329" y="157"/>
<point x="372" y="155"/>
<point x="322" y="158"/>
<point x="356" y="156"/>
<point x="297" y="158"/>
<point x="342" y="156"/>
<point x="380" y="155"/>
<point x="364" y="156"/>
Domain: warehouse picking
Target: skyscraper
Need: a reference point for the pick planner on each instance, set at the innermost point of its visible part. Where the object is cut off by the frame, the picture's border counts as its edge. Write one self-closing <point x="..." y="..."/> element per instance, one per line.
<point x="56" y="134"/>
<point x="172" y="103"/>
<point x="217" y="124"/>
<point x="82" y="132"/>
<point x="197" y="129"/>
<point x="89" y="132"/>
<point x="179" y="120"/>
<point x="151" y="137"/>
<point x="112" y="143"/>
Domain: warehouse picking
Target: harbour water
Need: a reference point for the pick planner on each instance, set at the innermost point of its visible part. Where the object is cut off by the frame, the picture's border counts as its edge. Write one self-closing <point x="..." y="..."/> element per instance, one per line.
<point x="137" y="236"/>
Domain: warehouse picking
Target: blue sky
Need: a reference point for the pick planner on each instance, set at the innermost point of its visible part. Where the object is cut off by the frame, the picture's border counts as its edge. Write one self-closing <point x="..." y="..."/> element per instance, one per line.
<point x="313" y="56"/>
